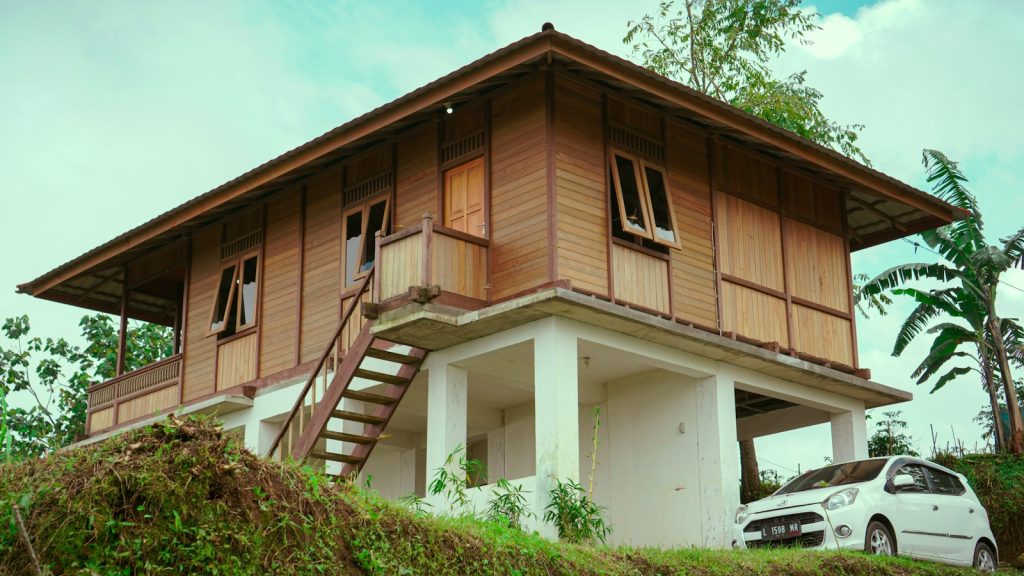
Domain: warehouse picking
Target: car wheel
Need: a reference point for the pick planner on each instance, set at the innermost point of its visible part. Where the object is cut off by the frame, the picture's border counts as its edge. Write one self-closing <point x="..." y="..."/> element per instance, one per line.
<point x="879" y="540"/>
<point x="984" y="558"/>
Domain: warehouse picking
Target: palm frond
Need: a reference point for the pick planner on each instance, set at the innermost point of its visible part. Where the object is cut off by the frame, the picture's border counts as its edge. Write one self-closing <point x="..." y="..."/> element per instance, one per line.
<point x="1013" y="248"/>
<point x="948" y="183"/>
<point x="930" y="305"/>
<point x="899" y="275"/>
<point x="949" y="377"/>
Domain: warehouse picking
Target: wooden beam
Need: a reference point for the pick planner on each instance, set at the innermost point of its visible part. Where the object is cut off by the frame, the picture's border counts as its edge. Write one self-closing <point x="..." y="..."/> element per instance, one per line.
<point x="122" y="333"/>
<point x="872" y="207"/>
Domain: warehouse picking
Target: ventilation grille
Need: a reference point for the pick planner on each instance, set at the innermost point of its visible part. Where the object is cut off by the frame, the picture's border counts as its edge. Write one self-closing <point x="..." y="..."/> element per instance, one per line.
<point x="243" y="244"/>
<point x="462" y="146"/>
<point x="635" y="142"/>
<point x="367" y="187"/>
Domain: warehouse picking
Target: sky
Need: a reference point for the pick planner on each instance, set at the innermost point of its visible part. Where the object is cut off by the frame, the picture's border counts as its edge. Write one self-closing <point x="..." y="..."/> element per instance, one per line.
<point x="114" y="111"/>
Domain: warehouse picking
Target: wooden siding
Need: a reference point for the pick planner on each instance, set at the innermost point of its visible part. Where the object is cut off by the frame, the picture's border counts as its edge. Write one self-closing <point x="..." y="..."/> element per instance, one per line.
<point x="416" y="182"/>
<point x="812" y="201"/>
<point x="693" y="266"/>
<point x="751" y="242"/>
<point x="816" y="267"/>
<point x="581" y="188"/>
<point x="822" y="335"/>
<point x="278" y="320"/>
<point x="519" y="202"/>
<point x="101" y="419"/>
<point x="200" y="348"/>
<point x="640" y="278"/>
<point x="145" y="405"/>
<point x="401" y="266"/>
<point x="746" y="175"/>
<point x="753" y="314"/>
<point x="321" y="285"/>
<point x="458" y="266"/>
<point x="236" y="361"/>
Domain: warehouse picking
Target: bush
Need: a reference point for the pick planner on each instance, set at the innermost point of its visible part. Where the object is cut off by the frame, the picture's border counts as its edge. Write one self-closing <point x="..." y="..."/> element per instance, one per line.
<point x="998" y="479"/>
<point x="578" y="519"/>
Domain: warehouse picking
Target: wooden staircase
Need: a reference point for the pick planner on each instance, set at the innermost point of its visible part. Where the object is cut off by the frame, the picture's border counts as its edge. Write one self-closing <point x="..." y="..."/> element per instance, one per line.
<point x="317" y="426"/>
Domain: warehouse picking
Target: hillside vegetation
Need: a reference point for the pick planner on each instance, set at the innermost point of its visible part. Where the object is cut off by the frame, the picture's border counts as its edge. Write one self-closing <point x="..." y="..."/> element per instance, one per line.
<point x="182" y="498"/>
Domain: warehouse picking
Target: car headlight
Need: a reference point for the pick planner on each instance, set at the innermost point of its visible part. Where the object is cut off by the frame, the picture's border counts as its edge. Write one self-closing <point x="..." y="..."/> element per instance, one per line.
<point x="741" y="514"/>
<point x="840" y="499"/>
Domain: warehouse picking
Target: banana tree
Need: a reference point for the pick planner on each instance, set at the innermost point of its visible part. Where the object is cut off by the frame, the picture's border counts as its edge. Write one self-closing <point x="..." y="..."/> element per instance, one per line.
<point x="970" y="275"/>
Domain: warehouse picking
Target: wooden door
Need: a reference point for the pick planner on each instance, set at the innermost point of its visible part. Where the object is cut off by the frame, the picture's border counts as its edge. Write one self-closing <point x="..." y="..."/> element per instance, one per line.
<point x="464" y="198"/>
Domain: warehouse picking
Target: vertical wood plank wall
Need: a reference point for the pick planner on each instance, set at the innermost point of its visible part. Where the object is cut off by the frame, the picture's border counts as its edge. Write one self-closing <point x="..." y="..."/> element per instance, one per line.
<point x="781" y="235"/>
<point x="278" y="320"/>
<point x="321" y="284"/>
<point x="200" y="350"/>
<point x="519" y="209"/>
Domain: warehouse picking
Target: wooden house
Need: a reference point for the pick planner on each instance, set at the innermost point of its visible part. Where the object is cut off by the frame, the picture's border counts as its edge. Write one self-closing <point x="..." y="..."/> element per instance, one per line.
<point x="484" y="261"/>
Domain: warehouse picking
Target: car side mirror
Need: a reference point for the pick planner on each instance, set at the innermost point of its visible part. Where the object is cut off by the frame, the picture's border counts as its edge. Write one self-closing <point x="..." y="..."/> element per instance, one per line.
<point x="902" y="481"/>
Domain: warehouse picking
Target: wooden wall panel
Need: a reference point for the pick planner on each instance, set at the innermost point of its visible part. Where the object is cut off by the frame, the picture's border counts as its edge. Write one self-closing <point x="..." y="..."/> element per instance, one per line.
<point x="236" y="362"/>
<point x="416" y="182"/>
<point x="519" y="219"/>
<point x="641" y="120"/>
<point x="581" y="188"/>
<point x="401" y="266"/>
<point x="816" y="266"/>
<point x="822" y="335"/>
<point x="200" y="348"/>
<point x="751" y="242"/>
<point x="458" y="266"/>
<point x="146" y="405"/>
<point x="693" y="266"/>
<point x="321" y="285"/>
<point x="812" y="201"/>
<point x="279" y="322"/>
<point x="753" y="314"/>
<point x="101" y="419"/>
<point x="746" y="175"/>
<point x="640" y="279"/>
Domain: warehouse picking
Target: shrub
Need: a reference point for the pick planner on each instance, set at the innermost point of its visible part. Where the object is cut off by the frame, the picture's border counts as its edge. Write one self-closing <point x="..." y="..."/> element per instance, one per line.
<point x="578" y="519"/>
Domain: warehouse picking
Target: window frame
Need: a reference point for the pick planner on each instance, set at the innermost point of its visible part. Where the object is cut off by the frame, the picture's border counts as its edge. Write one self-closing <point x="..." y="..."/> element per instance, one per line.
<point x="924" y="476"/>
<point x="364" y="206"/>
<point x="640" y="167"/>
<point x="234" y="300"/>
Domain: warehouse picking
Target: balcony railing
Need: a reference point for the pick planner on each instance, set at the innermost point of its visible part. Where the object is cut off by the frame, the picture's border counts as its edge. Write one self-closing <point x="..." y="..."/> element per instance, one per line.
<point x="144" y="392"/>
<point x="429" y="254"/>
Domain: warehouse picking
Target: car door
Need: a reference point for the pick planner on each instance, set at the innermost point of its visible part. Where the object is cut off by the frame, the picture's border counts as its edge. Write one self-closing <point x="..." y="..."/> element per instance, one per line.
<point x="956" y="516"/>
<point x="913" y="517"/>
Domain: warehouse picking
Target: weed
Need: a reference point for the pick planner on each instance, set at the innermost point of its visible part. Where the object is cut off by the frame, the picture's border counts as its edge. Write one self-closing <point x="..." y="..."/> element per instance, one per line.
<point x="509" y="504"/>
<point x="577" y="518"/>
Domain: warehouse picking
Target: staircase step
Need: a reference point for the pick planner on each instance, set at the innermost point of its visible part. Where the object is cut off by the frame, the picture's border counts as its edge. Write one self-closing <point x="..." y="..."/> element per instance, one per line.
<point x="391" y="356"/>
<point x="369" y="397"/>
<point x="357" y="417"/>
<point x="343" y="458"/>
<point x="345" y="437"/>
<point x="380" y="377"/>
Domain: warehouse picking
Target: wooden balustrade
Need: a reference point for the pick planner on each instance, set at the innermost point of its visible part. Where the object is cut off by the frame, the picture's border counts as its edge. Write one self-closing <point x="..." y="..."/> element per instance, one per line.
<point x="431" y="255"/>
<point x="146" y="391"/>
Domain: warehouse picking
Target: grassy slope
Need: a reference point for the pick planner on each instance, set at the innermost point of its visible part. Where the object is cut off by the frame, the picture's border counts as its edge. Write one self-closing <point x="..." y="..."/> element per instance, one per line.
<point x="182" y="498"/>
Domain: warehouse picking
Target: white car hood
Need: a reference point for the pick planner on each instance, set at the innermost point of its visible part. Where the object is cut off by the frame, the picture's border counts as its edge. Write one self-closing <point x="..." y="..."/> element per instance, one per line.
<point x="783" y="501"/>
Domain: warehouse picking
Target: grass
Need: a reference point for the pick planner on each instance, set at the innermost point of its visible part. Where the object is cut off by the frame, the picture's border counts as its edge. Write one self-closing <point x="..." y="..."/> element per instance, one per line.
<point x="181" y="498"/>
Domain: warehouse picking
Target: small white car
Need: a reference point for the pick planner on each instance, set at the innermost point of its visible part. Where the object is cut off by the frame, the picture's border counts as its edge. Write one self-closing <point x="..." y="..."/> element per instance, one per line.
<point x="887" y="506"/>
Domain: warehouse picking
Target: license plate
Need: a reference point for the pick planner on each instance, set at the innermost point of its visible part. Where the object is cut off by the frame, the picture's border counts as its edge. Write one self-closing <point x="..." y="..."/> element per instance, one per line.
<point x="781" y="531"/>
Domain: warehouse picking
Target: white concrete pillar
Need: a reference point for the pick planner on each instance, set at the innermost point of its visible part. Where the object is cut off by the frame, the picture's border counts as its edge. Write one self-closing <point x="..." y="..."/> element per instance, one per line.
<point x="556" y="410"/>
<point x="717" y="459"/>
<point x="849" y="436"/>
<point x="446" y="420"/>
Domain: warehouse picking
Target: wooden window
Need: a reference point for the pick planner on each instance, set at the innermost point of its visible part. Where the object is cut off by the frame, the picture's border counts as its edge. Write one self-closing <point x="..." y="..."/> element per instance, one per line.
<point x="464" y="198"/>
<point x="361" y="226"/>
<point x="234" y="305"/>
<point x="644" y="204"/>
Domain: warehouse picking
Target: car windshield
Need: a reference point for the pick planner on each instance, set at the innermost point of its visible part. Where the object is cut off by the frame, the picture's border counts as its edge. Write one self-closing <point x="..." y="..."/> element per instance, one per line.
<point x="838" y="475"/>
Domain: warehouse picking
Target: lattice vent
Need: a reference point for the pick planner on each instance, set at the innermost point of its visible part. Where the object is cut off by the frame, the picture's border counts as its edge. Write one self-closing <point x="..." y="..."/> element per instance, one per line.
<point x="243" y="244"/>
<point x="462" y="147"/>
<point x="368" y="187"/>
<point x="635" y="142"/>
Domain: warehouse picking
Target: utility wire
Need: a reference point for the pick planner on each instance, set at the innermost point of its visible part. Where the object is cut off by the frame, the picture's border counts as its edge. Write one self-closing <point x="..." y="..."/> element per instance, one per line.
<point x="917" y="245"/>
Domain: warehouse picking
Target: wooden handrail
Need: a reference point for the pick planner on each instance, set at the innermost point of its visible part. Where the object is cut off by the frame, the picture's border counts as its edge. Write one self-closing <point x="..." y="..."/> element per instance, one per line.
<point x="437" y="228"/>
<point x="300" y="401"/>
<point x="126" y="375"/>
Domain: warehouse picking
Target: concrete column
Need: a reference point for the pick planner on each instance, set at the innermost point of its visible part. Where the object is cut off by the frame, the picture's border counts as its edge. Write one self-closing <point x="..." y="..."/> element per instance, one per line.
<point x="556" y="409"/>
<point x="849" y="436"/>
<point x="717" y="459"/>
<point x="446" y="420"/>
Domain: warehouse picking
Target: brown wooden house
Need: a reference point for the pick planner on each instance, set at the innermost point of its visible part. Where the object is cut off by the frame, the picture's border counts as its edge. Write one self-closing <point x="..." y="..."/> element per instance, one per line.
<point x="547" y="214"/>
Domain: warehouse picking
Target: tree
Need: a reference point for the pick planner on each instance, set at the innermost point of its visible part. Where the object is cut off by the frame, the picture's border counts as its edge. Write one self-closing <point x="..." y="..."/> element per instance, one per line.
<point x="56" y="374"/>
<point x="722" y="48"/>
<point x="969" y="276"/>
<point x="890" y="437"/>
